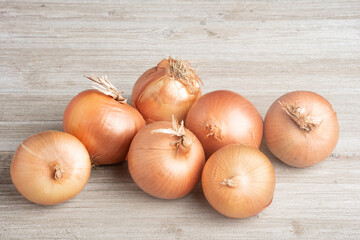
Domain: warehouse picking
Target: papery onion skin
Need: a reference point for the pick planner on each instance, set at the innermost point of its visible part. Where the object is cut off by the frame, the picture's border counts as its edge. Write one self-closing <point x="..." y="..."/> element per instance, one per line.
<point x="50" y="167"/>
<point x="224" y="117"/>
<point x="104" y="125"/>
<point x="159" y="93"/>
<point x="160" y="169"/>
<point x="238" y="181"/>
<point x="293" y="145"/>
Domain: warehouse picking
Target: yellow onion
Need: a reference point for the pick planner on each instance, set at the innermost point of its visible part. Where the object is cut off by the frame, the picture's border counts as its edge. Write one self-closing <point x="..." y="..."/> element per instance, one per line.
<point x="168" y="89"/>
<point x="301" y="128"/>
<point x="165" y="160"/>
<point x="50" y="167"/>
<point x="103" y="121"/>
<point x="224" y="117"/>
<point x="238" y="181"/>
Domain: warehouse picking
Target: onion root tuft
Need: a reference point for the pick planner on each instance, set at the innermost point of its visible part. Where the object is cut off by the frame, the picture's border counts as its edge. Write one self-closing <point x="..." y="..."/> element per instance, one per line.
<point x="213" y="129"/>
<point x="231" y="182"/>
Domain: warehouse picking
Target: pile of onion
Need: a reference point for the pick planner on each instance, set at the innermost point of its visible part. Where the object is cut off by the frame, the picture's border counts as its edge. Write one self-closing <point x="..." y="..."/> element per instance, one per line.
<point x="50" y="167"/>
<point x="103" y="121"/>
<point x="301" y="128"/>
<point x="224" y="117"/>
<point x="238" y="181"/>
<point x="165" y="160"/>
<point x="168" y="89"/>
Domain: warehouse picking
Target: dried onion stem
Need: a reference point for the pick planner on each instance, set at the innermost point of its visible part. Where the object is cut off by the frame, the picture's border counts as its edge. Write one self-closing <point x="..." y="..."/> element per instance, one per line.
<point x="103" y="85"/>
<point x="182" y="71"/>
<point x="179" y="131"/>
<point x="298" y="115"/>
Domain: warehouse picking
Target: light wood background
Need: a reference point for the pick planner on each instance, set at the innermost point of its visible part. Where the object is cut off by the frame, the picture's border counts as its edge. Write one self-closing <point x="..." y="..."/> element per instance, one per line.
<point x="260" y="49"/>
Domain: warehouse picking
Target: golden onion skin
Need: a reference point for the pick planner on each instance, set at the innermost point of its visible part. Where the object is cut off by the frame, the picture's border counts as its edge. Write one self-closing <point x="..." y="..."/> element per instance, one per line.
<point x="292" y="144"/>
<point x="105" y="126"/>
<point x="159" y="168"/>
<point x="238" y="181"/>
<point x="50" y="167"/>
<point x="224" y="117"/>
<point x="159" y="93"/>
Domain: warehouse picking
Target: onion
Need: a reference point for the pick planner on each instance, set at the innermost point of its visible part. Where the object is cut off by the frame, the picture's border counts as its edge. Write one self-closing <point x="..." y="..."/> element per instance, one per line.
<point x="165" y="160"/>
<point x="238" y="181"/>
<point x="50" y="167"/>
<point x="103" y="121"/>
<point x="168" y="89"/>
<point x="301" y="128"/>
<point x="223" y="117"/>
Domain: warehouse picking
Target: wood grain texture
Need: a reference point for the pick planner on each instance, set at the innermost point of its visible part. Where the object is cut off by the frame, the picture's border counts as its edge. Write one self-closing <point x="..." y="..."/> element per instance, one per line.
<point x="260" y="49"/>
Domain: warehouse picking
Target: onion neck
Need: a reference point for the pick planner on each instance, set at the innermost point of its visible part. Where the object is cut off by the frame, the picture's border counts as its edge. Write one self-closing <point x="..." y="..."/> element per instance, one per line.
<point x="182" y="71"/>
<point x="184" y="140"/>
<point x="103" y="85"/>
<point x="298" y="114"/>
<point x="59" y="172"/>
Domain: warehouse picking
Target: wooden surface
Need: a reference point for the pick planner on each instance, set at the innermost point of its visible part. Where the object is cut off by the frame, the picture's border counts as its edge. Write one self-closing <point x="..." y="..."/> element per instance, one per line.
<point x="260" y="49"/>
